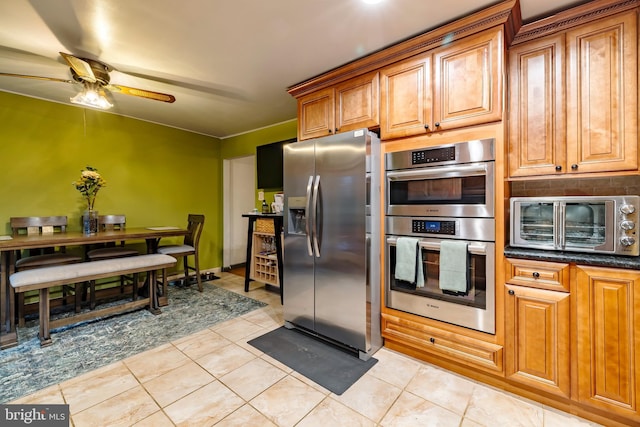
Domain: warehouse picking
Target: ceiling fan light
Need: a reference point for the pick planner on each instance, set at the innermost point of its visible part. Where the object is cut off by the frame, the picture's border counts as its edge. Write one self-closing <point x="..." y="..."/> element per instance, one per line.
<point x="91" y="98"/>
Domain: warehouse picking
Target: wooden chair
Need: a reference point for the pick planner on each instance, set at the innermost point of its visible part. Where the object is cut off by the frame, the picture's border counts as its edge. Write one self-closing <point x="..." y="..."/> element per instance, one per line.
<point x="188" y="248"/>
<point x="109" y="251"/>
<point x="40" y="257"/>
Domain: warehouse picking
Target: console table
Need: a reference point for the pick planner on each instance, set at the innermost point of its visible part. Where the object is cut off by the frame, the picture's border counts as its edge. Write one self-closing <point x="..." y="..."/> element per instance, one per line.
<point x="277" y="231"/>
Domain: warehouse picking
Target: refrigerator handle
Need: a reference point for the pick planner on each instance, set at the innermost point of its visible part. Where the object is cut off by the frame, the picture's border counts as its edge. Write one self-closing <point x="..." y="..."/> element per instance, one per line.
<point x="308" y="216"/>
<point x="315" y="217"/>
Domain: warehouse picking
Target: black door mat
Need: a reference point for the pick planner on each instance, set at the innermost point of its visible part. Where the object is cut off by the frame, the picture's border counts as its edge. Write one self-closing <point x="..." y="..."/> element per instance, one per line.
<point x="333" y="368"/>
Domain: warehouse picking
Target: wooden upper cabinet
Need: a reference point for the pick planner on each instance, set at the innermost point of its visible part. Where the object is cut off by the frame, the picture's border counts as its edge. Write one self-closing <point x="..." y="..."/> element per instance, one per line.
<point x="405" y="98"/>
<point x="316" y="114"/>
<point x="602" y="95"/>
<point x="468" y="81"/>
<point x="357" y="103"/>
<point x="573" y="100"/>
<point x="352" y="104"/>
<point x="457" y="85"/>
<point x="607" y="319"/>
<point x="537" y="107"/>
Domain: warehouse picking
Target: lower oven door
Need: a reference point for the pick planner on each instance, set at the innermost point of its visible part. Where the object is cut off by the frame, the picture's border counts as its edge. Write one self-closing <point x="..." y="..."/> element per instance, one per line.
<point x="473" y="308"/>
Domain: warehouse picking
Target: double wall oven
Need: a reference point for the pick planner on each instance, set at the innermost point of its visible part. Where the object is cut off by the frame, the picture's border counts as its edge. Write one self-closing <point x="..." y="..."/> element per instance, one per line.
<point x="435" y="196"/>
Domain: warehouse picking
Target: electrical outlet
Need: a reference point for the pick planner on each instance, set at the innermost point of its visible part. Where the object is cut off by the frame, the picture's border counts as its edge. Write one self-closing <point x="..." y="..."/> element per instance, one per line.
<point x="261" y="195"/>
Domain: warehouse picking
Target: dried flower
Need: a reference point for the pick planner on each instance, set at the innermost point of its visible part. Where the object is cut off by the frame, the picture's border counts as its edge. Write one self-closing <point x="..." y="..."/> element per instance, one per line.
<point x="88" y="185"/>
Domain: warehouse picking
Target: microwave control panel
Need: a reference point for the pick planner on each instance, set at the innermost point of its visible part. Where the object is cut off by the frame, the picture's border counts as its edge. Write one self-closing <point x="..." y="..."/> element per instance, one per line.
<point x="425" y="226"/>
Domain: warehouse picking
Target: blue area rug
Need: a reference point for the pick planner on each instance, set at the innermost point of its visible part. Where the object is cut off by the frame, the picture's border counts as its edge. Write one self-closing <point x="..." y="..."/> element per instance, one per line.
<point x="83" y="347"/>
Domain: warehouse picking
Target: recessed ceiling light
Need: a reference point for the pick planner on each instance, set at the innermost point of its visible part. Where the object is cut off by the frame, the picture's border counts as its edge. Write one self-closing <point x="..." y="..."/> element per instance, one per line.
<point x="372" y="1"/>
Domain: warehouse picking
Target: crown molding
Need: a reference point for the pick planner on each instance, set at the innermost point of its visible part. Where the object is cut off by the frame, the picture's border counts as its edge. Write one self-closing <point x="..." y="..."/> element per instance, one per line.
<point x="506" y="14"/>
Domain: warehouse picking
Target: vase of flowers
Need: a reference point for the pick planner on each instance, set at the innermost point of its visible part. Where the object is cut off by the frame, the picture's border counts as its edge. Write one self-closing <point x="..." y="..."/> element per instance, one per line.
<point x="88" y="185"/>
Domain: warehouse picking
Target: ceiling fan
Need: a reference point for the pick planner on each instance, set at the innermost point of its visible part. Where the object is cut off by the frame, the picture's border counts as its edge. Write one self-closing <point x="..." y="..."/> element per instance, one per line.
<point x="94" y="76"/>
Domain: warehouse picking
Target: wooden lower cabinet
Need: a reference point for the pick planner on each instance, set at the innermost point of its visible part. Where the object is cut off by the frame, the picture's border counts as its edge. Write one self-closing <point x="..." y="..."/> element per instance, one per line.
<point x="607" y="327"/>
<point x="573" y="331"/>
<point x="571" y="340"/>
<point x="448" y="345"/>
<point x="537" y="338"/>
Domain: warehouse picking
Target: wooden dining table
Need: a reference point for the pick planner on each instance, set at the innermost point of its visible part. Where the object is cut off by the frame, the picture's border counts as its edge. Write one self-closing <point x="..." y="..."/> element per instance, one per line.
<point x="9" y="246"/>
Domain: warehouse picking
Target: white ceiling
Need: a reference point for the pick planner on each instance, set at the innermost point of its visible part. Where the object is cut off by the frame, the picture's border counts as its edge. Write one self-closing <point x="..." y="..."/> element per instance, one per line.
<point x="227" y="62"/>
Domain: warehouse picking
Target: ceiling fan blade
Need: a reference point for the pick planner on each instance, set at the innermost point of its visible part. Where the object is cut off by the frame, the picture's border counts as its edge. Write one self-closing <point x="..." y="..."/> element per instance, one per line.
<point x="25" y="76"/>
<point x="157" y="96"/>
<point x="80" y="66"/>
<point x="191" y="84"/>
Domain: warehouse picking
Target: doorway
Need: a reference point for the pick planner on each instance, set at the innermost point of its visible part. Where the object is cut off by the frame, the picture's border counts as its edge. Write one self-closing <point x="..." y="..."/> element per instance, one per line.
<point x="238" y="198"/>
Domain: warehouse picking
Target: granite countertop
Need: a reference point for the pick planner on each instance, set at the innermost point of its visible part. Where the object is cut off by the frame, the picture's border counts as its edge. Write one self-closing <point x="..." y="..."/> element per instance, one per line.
<point x="599" y="260"/>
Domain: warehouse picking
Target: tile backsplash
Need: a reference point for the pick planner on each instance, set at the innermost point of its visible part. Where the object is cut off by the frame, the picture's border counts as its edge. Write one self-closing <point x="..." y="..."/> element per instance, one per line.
<point x="612" y="186"/>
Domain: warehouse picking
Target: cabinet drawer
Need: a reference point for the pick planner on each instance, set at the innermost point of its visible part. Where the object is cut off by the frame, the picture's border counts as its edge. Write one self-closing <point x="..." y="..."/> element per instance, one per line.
<point x="538" y="274"/>
<point x="455" y="347"/>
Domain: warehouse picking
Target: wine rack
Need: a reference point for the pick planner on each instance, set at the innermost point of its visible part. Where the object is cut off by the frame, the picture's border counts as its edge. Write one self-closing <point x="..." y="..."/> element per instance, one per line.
<point x="264" y="264"/>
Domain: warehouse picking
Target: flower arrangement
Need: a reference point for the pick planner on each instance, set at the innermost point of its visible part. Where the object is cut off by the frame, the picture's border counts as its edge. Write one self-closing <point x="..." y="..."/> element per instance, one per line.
<point x="89" y="184"/>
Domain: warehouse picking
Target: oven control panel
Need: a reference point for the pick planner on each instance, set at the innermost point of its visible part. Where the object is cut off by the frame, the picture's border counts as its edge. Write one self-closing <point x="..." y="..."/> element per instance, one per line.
<point x="433" y="155"/>
<point x="426" y="226"/>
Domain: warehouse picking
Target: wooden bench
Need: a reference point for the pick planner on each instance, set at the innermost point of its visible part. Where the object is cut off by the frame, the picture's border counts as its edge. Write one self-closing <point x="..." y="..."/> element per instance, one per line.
<point x="42" y="279"/>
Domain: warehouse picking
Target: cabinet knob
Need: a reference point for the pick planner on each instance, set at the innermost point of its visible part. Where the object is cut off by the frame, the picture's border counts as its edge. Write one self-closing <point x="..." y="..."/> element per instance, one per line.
<point x="426" y="127"/>
<point x="337" y="130"/>
<point x="437" y="124"/>
<point x="330" y="131"/>
<point x="536" y="275"/>
<point x="432" y="340"/>
<point x="558" y="168"/>
<point x="574" y="167"/>
<point x="511" y="292"/>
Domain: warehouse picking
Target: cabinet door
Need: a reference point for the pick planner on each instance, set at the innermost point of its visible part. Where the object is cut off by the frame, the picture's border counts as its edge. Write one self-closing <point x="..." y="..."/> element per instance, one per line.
<point x="405" y="98"/>
<point x="536" y="114"/>
<point x="316" y="114"/>
<point x="468" y="81"/>
<point x="537" y="339"/>
<point x="357" y="103"/>
<point x="602" y="94"/>
<point x="607" y="338"/>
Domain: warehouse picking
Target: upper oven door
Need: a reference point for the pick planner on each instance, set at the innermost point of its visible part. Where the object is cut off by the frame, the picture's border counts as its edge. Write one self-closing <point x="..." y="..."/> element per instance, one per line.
<point x="459" y="190"/>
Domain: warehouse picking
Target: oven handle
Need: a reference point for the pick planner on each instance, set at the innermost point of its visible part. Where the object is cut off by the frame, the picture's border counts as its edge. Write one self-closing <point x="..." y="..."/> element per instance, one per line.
<point x="472" y="169"/>
<point x="473" y="248"/>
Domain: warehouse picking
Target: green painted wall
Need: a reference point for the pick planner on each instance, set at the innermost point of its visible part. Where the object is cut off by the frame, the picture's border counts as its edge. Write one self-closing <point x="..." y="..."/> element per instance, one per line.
<point x="156" y="175"/>
<point x="245" y="145"/>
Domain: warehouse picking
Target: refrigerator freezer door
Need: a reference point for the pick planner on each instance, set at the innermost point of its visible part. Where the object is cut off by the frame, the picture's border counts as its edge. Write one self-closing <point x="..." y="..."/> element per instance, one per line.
<point x="298" y="291"/>
<point x="340" y="270"/>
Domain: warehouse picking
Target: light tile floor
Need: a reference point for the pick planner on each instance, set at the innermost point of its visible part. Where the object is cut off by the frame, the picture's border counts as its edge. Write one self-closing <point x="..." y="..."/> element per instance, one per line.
<point x="214" y="377"/>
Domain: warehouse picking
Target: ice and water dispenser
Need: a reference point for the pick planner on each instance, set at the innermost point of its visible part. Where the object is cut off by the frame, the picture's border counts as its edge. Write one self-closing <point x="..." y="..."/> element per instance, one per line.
<point x="297" y="218"/>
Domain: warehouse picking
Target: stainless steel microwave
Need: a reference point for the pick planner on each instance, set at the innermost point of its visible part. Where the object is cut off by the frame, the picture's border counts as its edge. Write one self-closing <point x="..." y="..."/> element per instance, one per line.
<point x="593" y="224"/>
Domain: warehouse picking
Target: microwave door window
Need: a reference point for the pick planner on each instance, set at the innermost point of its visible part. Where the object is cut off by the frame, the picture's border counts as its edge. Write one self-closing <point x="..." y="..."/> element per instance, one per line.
<point x="466" y="190"/>
<point x="537" y="223"/>
<point x="584" y="225"/>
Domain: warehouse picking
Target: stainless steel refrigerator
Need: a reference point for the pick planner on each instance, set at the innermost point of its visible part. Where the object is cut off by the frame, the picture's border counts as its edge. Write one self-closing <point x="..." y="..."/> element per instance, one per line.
<point x="332" y="239"/>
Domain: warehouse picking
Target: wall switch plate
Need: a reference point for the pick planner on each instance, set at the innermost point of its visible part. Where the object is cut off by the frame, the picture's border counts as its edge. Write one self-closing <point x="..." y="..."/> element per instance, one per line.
<point x="260" y="195"/>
